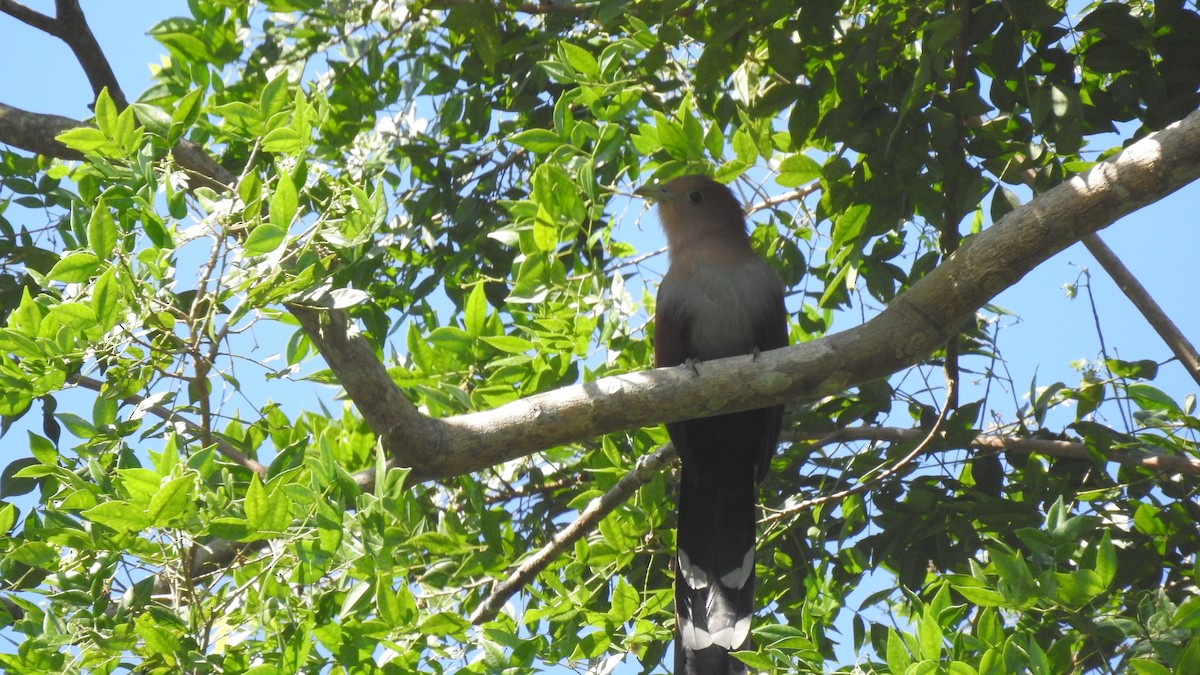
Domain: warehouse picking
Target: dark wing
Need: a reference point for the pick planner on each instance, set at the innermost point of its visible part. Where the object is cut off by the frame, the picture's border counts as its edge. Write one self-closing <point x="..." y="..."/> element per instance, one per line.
<point x="670" y="329"/>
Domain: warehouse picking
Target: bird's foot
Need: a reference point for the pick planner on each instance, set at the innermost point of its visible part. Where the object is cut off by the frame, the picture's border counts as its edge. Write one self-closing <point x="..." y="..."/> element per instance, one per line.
<point x="691" y="364"/>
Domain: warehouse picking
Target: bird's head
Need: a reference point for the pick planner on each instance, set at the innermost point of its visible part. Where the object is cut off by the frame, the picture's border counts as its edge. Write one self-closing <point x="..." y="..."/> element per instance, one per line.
<point x="695" y="207"/>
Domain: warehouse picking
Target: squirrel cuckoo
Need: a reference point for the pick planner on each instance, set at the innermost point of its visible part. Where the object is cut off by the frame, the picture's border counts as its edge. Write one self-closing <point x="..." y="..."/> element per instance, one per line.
<point x="717" y="299"/>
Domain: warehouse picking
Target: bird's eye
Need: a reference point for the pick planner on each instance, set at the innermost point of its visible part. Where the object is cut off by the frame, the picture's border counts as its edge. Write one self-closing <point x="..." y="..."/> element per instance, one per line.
<point x="694" y="196"/>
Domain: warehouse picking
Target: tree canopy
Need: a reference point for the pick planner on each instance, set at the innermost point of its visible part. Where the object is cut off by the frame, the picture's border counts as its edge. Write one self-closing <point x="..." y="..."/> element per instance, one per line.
<point x="425" y="210"/>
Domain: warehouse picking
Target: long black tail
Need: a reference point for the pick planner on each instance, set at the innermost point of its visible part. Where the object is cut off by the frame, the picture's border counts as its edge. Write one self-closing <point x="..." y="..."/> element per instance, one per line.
<point x="714" y="577"/>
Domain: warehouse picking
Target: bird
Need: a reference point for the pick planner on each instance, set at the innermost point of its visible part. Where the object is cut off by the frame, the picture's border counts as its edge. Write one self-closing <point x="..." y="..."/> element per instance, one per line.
<point x="717" y="299"/>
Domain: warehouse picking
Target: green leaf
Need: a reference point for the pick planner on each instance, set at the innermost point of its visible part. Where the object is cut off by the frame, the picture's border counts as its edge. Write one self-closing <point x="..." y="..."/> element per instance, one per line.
<point x="232" y="529"/>
<point x="672" y="138"/>
<point x="744" y="147"/>
<point x="540" y="141"/>
<point x="898" y="658"/>
<point x="172" y="501"/>
<point x="1187" y="615"/>
<point x="12" y="484"/>
<point x="1145" y="369"/>
<point x="257" y="504"/>
<point x="757" y="662"/>
<point x="74" y="315"/>
<point x="158" y="233"/>
<point x="475" y="315"/>
<point x="397" y="607"/>
<point x="101" y="230"/>
<point x="8" y="518"/>
<point x="284" y="202"/>
<point x="275" y="96"/>
<point x="75" y="268"/>
<point x="283" y="140"/>
<point x="580" y="60"/>
<point x="265" y="238"/>
<point x="187" y="110"/>
<point x="443" y="624"/>
<point x="35" y="554"/>
<point x="244" y="118"/>
<point x="19" y="345"/>
<point x="85" y="140"/>
<point x="850" y="225"/>
<point x="1146" y="519"/>
<point x="105" y="296"/>
<point x="120" y="516"/>
<point x="1147" y="667"/>
<point x="1151" y="398"/>
<point x="153" y="118"/>
<point x="27" y="318"/>
<point x="545" y="234"/>
<point x="1003" y="202"/>
<point x="1016" y="583"/>
<point x="931" y="637"/>
<point x="510" y="344"/>
<point x="140" y="484"/>
<point x="1078" y="587"/>
<point x="625" y="601"/>
<point x="106" y="113"/>
<point x="129" y="132"/>
<point x="267" y="511"/>
<point x="798" y="169"/>
<point x="184" y="47"/>
<point x="554" y="191"/>
<point x="1106" y="559"/>
<point x="452" y="339"/>
<point x="157" y="639"/>
<point x="1189" y="659"/>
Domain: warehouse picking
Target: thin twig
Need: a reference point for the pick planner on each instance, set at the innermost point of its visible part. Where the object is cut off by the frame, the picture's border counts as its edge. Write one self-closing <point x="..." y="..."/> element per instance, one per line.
<point x="231" y="453"/>
<point x="771" y="202"/>
<point x="1137" y="294"/>
<point x="1122" y="403"/>
<point x="1169" y="464"/>
<point x="646" y="468"/>
<point x="933" y="433"/>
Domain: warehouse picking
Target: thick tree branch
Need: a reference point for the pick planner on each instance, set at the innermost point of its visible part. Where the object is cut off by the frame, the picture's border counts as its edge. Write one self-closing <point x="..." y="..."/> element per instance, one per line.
<point x="911" y="327"/>
<point x="1137" y="294"/>
<point x="74" y="30"/>
<point x="1140" y="297"/>
<point x="70" y="26"/>
<point x="29" y="17"/>
<point x="363" y="375"/>
<point x="916" y="323"/>
<point x="36" y="132"/>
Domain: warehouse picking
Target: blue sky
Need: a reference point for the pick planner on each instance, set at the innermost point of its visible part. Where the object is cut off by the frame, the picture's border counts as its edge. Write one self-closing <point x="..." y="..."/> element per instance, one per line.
<point x="1050" y="331"/>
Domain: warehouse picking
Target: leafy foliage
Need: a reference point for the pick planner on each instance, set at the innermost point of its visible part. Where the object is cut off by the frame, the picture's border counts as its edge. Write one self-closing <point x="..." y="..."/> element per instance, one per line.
<point x="453" y="174"/>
